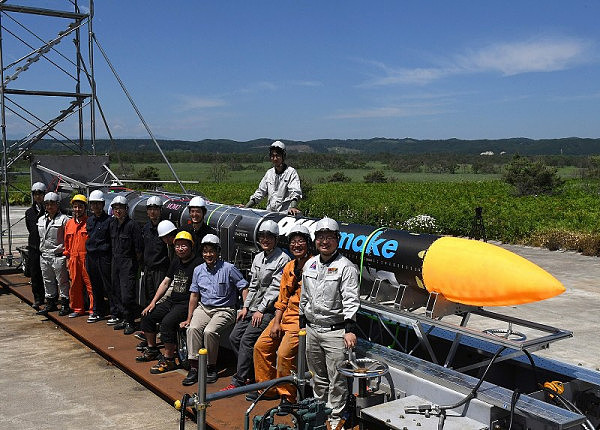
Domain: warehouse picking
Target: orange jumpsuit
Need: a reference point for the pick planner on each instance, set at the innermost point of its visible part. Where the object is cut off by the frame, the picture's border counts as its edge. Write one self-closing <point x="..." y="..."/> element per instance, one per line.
<point x="75" y="237"/>
<point x="268" y="351"/>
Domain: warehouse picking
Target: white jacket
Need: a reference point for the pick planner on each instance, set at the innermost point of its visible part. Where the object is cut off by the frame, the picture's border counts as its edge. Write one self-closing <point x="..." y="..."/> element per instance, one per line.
<point x="280" y="189"/>
<point x="52" y="234"/>
<point x="330" y="292"/>
<point x="266" y="277"/>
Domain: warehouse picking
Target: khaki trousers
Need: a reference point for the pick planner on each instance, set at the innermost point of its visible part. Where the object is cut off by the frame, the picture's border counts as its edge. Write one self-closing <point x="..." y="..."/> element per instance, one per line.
<point x="324" y="352"/>
<point x="205" y="330"/>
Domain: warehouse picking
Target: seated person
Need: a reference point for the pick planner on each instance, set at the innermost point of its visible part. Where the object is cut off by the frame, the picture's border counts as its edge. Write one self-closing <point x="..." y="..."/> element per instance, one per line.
<point x="214" y="293"/>
<point x="277" y="347"/>
<point x="258" y="308"/>
<point x="174" y="309"/>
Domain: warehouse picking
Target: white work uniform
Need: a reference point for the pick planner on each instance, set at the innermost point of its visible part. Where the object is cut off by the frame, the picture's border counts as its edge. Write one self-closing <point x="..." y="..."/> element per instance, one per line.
<point x="329" y="297"/>
<point x="52" y="260"/>
<point x="280" y="189"/>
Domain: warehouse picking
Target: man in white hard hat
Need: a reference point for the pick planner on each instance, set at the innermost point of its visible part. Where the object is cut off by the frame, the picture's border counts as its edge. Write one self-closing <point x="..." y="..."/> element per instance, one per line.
<point x="329" y="303"/>
<point x="51" y="228"/>
<point x="196" y="224"/>
<point x="214" y="291"/>
<point x="32" y="215"/>
<point x="127" y="249"/>
<point x="281" y="184"/>
<point x="156" y="255"/>
<point x="98" y="257"/>
<point x="258" y="309"/>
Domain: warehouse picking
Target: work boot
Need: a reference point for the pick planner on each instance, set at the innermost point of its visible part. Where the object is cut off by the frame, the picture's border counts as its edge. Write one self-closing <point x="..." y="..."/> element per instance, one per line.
<point x="64" y="307"/>
<point x="50" y="307"/>
<point x="211" y="374"/>
<point x="191" y="378"/>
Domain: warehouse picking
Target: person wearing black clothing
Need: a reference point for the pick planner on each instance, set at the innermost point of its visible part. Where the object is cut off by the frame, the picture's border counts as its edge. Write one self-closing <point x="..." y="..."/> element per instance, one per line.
<point x="197" y="227"/>
<point x="127" y="249"/>
<point x="35" y="212"/>
<point x="174" y="309"/>
<point x="156" y="256"/>
<point x="98" y="259"/>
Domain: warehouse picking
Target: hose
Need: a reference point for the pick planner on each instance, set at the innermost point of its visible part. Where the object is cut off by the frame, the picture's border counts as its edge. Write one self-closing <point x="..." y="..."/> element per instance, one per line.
<point x="184" y="401"/>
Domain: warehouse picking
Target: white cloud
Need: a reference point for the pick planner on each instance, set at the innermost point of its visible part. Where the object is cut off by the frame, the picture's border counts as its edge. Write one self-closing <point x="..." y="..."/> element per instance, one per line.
<point x="399" y="111"/>
<point x="187" y="102"/>
<point x="539" y="55"/>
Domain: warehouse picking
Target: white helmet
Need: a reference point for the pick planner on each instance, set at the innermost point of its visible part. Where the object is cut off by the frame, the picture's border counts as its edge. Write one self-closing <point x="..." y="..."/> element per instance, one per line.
<point x="165" y="227"/>
<point x="96" y="196"/>
<point x="327" y="224"/>
<point x="119" y="200"/>
<point x="278" y="144"/>
<point x="269" y="226"/>
<point x="299" y="230"/>
<point x="211" y="239"/>
<point x="51" y="197"/>
<point x="197" y="202"/>
<point x="38" y="187"/>
<point x="154" y="201"/>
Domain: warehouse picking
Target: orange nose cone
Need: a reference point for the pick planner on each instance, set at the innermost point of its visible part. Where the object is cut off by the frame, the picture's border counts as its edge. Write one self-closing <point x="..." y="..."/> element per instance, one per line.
<point x="480" y="274"/>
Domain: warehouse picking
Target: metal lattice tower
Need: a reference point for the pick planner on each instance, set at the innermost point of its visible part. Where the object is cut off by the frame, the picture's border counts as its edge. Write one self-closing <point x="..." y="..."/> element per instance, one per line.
<point x="47" y="86"/>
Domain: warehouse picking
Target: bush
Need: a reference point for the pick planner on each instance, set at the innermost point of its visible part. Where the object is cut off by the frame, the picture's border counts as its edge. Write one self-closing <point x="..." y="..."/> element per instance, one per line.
<point x="531" y="178"/>
<point x="338" y="177"/>
<point x="376" y="176"/>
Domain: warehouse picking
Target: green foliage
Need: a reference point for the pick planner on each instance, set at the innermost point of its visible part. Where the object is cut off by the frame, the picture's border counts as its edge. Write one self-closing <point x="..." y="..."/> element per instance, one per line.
<point x="148" y="173"/>
<point x="219" y="172"/>
<point x="531" y="177"/>
<point x="337" y="177"/>
<point x="376" y="176"/>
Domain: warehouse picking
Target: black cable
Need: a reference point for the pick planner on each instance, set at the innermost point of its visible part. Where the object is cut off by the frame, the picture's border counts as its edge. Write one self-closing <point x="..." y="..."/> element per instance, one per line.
<point x="568" y="405"/>
<point x="184" y="402"/>
<point x="513" y="401"/>
<point x="473" y="392"/>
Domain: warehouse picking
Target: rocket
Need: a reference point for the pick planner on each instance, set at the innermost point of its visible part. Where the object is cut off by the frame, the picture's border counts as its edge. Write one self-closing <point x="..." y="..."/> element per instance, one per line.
<point x="464" y="271"/>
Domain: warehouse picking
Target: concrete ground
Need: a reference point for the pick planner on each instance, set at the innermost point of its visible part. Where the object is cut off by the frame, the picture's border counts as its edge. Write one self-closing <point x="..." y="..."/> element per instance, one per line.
<point x="49" y="380"/>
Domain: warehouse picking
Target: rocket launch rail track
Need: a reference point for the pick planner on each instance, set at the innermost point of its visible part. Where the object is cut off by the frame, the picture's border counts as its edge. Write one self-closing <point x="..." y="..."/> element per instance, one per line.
<point x="436" y="349"/>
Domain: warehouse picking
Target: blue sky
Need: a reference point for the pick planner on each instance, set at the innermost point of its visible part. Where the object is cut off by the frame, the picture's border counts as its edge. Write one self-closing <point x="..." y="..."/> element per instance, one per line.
<point x="349" y="69"/>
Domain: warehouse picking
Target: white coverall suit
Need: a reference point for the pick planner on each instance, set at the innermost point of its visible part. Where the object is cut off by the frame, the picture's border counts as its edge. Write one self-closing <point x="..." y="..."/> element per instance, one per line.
<point x="52" y="260"/>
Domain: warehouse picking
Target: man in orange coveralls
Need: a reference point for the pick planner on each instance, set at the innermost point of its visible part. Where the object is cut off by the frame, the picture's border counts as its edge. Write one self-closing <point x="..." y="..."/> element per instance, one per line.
<point x="279" y="341"/>
<point x="75" y="237"/>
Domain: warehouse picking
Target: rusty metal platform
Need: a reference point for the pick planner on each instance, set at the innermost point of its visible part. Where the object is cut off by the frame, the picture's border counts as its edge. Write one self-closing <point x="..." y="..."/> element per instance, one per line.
<point x="120" y="350"/>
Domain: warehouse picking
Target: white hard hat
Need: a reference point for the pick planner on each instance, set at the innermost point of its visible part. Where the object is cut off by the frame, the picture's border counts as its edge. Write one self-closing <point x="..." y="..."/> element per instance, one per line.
<point x="327" y="224"/>
<point x="153" y="201"/>
<point x="299" y="230"/>
<point x="278" y="144"/>
<point x="51" y="197"/>
<point x="269" y="226"/>
<point x="197" y="202"/>
<point x="96" y="196"/>
<point x="211" y="239"/>
<point x="119" y="200"/>
<point x="165" y="227"/>
<point x="38" y="186"/>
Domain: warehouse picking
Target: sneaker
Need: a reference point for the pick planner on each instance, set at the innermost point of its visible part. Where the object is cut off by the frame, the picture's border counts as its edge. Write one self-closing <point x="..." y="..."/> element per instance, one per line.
<point x="211" y="374"/>
<point x="75" y="314"/>
<point x="140" y="335"/>
<point x="142" y="345"/>
<point x="120" y="326"/>
<point x="229" y="387"/>
<point x="150" y="354"/>
<point x="113" y="321"/>
<point x="253" y="395"/>
<point x="164" y="365"/>
<point x="94" y="318"/>
<point x="191" y="378"/>
<point x="129" y="328"/>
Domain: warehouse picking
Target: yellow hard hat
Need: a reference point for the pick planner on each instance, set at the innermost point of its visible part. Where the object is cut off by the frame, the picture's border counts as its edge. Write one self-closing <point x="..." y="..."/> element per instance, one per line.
<point x="79" y="198"/>
<point x="184" y="235"/>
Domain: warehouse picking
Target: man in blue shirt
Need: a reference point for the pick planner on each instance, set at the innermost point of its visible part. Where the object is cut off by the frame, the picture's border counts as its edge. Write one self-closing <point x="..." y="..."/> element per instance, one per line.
<point x="214" y="292"/>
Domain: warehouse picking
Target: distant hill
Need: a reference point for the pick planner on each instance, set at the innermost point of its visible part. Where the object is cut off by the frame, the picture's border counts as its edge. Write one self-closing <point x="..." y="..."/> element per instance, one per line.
<point x="566" y="146"/>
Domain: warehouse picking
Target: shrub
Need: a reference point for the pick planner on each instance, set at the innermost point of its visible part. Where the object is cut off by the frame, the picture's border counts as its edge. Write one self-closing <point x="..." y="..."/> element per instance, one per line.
<point x="376" y="176"/>
<point x="530" y="178"/>
<point x="338" y="177"/>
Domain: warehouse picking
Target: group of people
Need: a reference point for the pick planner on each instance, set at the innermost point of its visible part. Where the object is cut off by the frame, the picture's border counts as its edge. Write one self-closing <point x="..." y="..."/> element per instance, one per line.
<point x="185" y="284"/>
